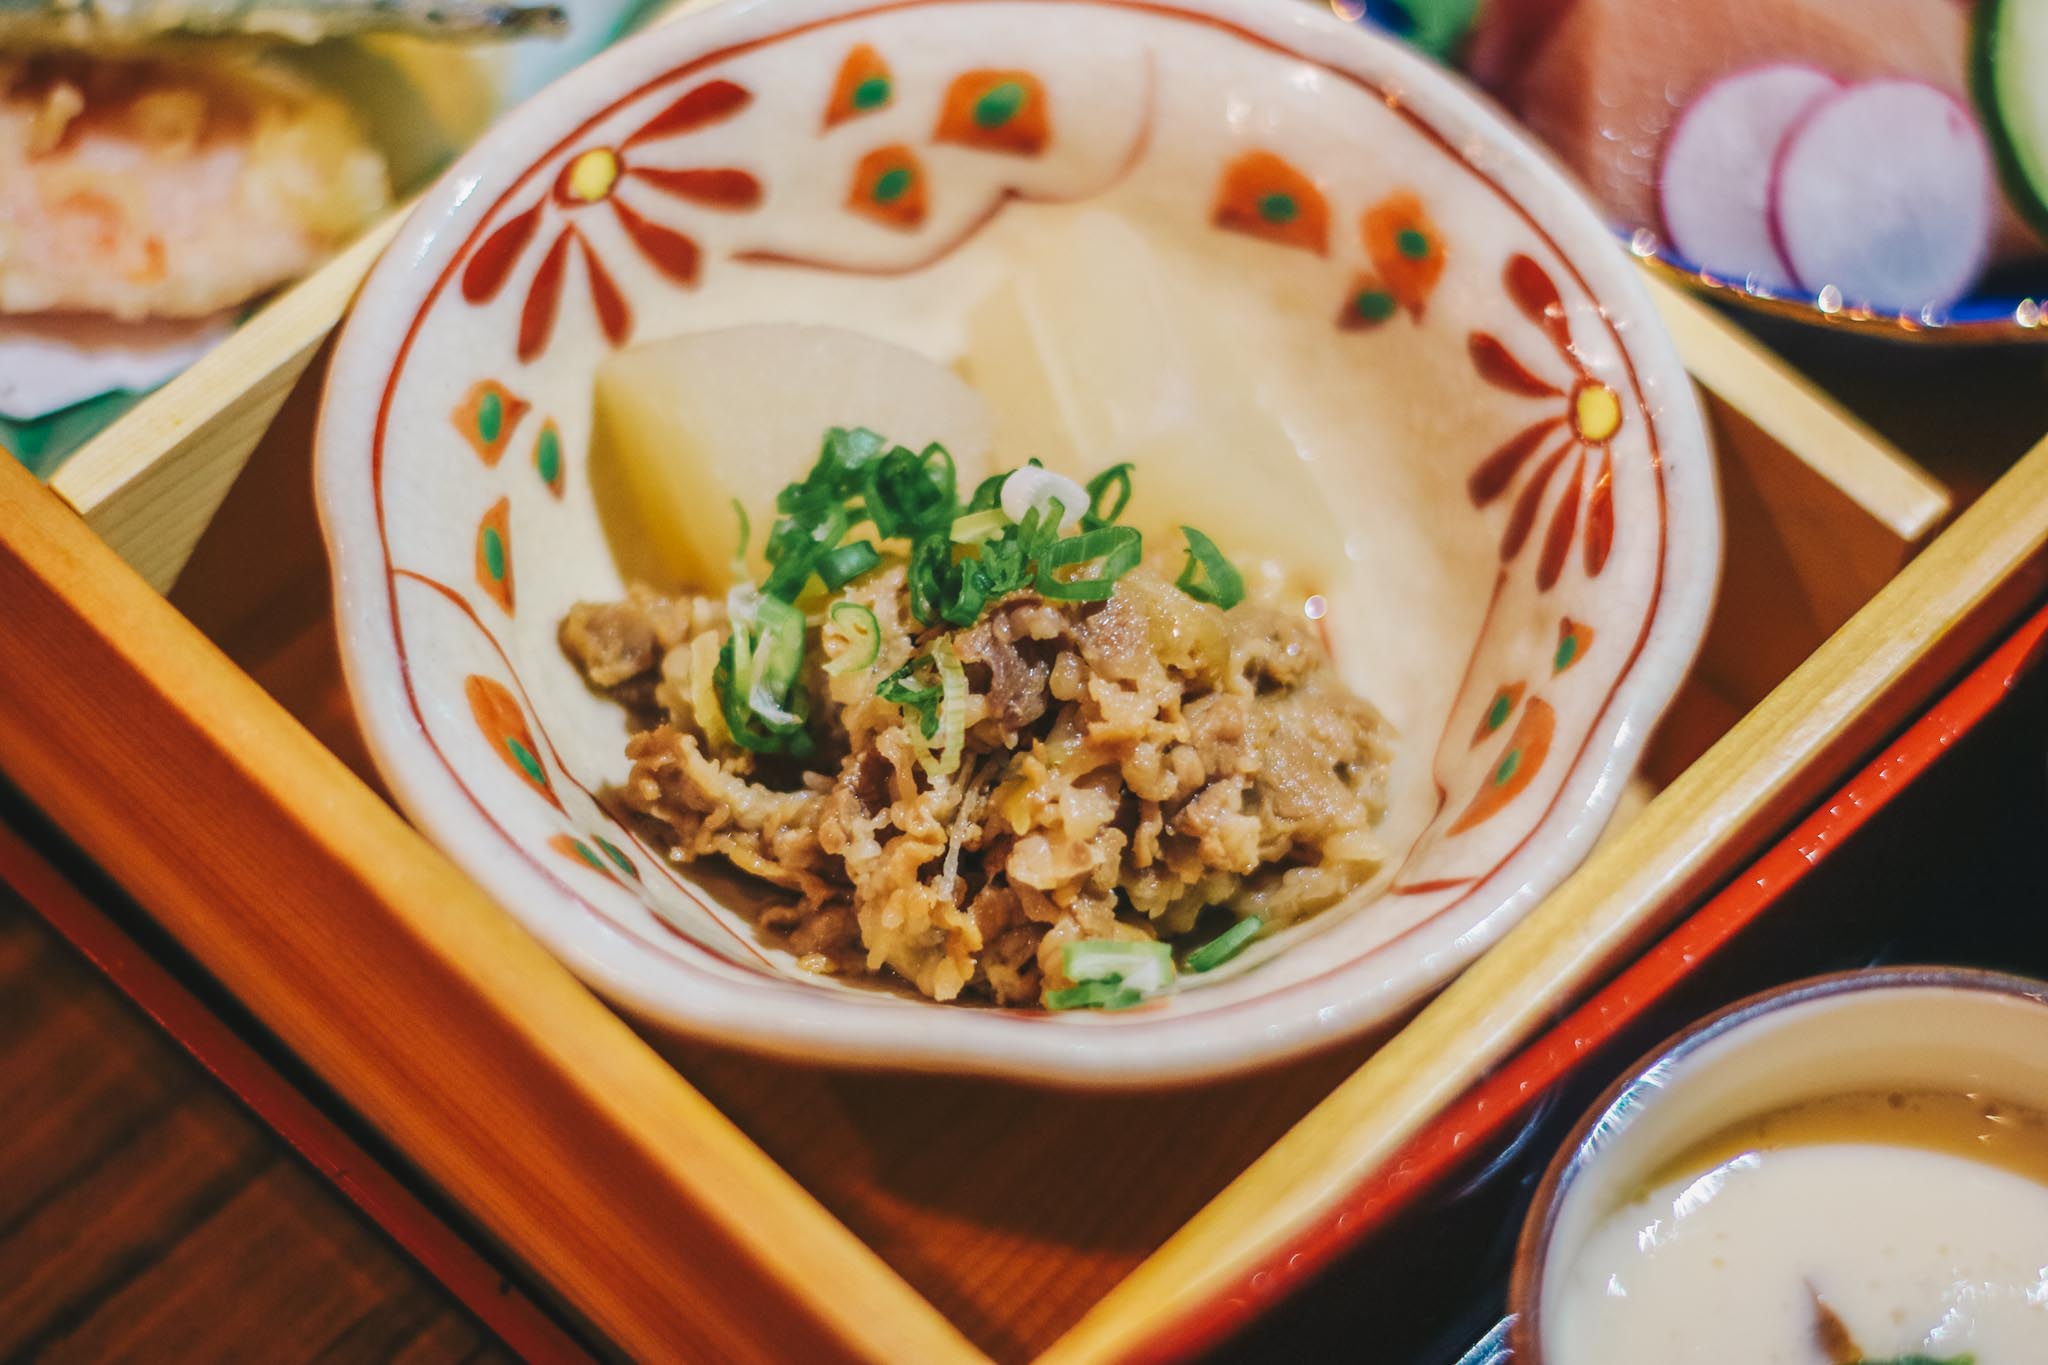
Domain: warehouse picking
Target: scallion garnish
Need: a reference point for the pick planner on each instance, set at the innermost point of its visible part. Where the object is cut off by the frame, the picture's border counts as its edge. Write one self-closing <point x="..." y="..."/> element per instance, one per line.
<point x="1102" y="556"/>
<point x="1118" y="478"/>
<point x="1096" y="995"/>
<point x="1033" y="488"/>
<point x="952" y="734"/>
<point x="1208" y="576"/>
<point x="972" y="528"/>
<point x="901" y="688"/>
<point x="841" y="566"/>
<point x="1225" y="945"/>
<point x="1144" y="965"/>
<point x="856" y="620"/>
<point x="1027" y="528"/>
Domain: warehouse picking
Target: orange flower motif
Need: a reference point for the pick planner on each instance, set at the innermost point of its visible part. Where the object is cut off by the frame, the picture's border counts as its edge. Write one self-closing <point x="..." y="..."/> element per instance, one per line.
<point x="995" y="111"/>
<point x="1267" y="196"/>
<point x="1406" y="250"/>
<point x="888" y="186"/>
<point x="498" y="715"/>
<point x="1515" y="769"/>
<point x="1589" y="415"/>
<point x="494" y="554"/>
<point x="597" y="176"/>
<point x="864" y="86"/>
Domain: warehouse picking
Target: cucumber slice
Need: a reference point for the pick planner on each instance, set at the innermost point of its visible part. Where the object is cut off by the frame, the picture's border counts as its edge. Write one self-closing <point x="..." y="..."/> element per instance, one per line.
<point x="2009" y="76"/>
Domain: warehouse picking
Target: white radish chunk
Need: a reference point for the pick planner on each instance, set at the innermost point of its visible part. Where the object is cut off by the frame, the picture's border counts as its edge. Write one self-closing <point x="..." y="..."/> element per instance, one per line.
<point x="689" y="425"/>
<point x="1885" y="191"/>
<point x="1715" y="182"/>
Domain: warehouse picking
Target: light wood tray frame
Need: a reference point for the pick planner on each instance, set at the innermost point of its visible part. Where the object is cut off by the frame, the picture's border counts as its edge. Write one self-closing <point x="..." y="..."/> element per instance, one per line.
<point x="689" y="1202"/>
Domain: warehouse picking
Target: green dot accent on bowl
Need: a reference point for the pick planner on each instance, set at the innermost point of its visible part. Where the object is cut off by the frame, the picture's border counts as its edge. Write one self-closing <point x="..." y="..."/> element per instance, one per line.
<point x="494" y="554"/>
<point x="1567" y="650"/>
<point x="624" y="863"/>
<point x="583" y="852"/>
<point x="1497" y="714"/>
<point x="892" y="183"/>
<point x="490" y="416"/>
<point x="1278" y="208"/>
<point x="1507" y="768"/>
<point x="1412" y="244"/>
<point x="1374" y="305"/>
<point x="871" y="93"/>
<point x="1000" y="104"/>
<point x="547" y="456"/>
<point x="528" y="764"/>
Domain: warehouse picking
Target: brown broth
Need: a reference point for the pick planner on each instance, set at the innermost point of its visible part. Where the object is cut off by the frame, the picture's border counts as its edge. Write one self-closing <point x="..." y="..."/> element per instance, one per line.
<point x="2011" y="1137"/>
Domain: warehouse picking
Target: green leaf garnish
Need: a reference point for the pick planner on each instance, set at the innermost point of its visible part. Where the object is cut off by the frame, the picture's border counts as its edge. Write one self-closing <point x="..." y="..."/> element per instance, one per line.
<point x="863" y="632"/>
<point x="1208" y="576"/>
<point x="1116" y="478"/>
<point x="839" y="567"/>
<point x="1096" y="995"/>
<point x="922" y="699"/>
<point x="1143" y="965"/>
<point x="1102" y="555"/>
<point x="1225" y="945"/>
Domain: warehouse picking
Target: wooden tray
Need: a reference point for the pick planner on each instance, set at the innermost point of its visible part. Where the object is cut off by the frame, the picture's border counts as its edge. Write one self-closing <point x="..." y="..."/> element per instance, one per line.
<point x="702" y="1203"/>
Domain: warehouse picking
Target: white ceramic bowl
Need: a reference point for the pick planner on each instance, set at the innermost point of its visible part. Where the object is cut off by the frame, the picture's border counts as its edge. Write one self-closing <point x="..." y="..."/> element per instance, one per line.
<point x="1514" y="454"/>
<point x="1944" y="1029"/>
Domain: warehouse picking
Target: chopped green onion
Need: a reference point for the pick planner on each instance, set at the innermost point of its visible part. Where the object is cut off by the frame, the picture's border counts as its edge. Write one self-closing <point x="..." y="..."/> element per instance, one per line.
<point x="924" y="701"/>
<point x="863" y="633"/>
<point x="1112" y="551"/>
<point x="952" y="711"/>
<point x="987" y="494"/>
<point x="733" y="682"/>
<point x="753" y="678"/>
<point x="931" y="575"/>
<point x="1208" y="576"/>
<point x="1144" y="965"/>
<point x="1117" y="476"/>
<point x="849" y="561"/>
<point x="779" y="648"/>
<point x="739" y="556"/>
<point x="1225" y="945"/>
<point x="1102" y="995"/>
<point x="1032" y="488"/>
<point x="976" y="527"/>
<point x="905" y="492"/>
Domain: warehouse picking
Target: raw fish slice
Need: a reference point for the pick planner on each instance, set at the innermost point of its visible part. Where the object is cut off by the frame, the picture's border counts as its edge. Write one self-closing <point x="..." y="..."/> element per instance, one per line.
<point x="1885" y="191"/>
<point x="1716" y="177"/>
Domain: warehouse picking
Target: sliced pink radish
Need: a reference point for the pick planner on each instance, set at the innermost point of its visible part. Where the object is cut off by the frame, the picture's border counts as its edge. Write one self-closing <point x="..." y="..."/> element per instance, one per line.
<point x="1885" y="192"/>
<point x="1715" y="182"/>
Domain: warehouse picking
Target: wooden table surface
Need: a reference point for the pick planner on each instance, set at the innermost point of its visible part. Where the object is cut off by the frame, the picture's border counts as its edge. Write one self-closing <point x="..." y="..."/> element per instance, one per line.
<point x="146" y="1215"/>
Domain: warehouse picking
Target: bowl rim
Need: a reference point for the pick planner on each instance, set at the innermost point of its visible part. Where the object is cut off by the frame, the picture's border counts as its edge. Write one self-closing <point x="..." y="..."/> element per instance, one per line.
<point x="1115" y="1050"/>
<point x="1626" y="1100"/>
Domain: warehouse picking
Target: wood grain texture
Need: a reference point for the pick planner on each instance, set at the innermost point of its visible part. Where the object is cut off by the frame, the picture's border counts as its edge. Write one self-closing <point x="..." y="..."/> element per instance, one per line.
<point x="1775" y="760"/>
<point x="1793" y="414"/>
<point x="449" y="1028"/>
<point x="144" y="1216"/>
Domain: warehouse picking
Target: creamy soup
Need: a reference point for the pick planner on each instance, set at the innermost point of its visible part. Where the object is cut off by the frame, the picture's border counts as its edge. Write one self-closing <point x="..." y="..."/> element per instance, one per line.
<point x="1869" y="1227"/>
